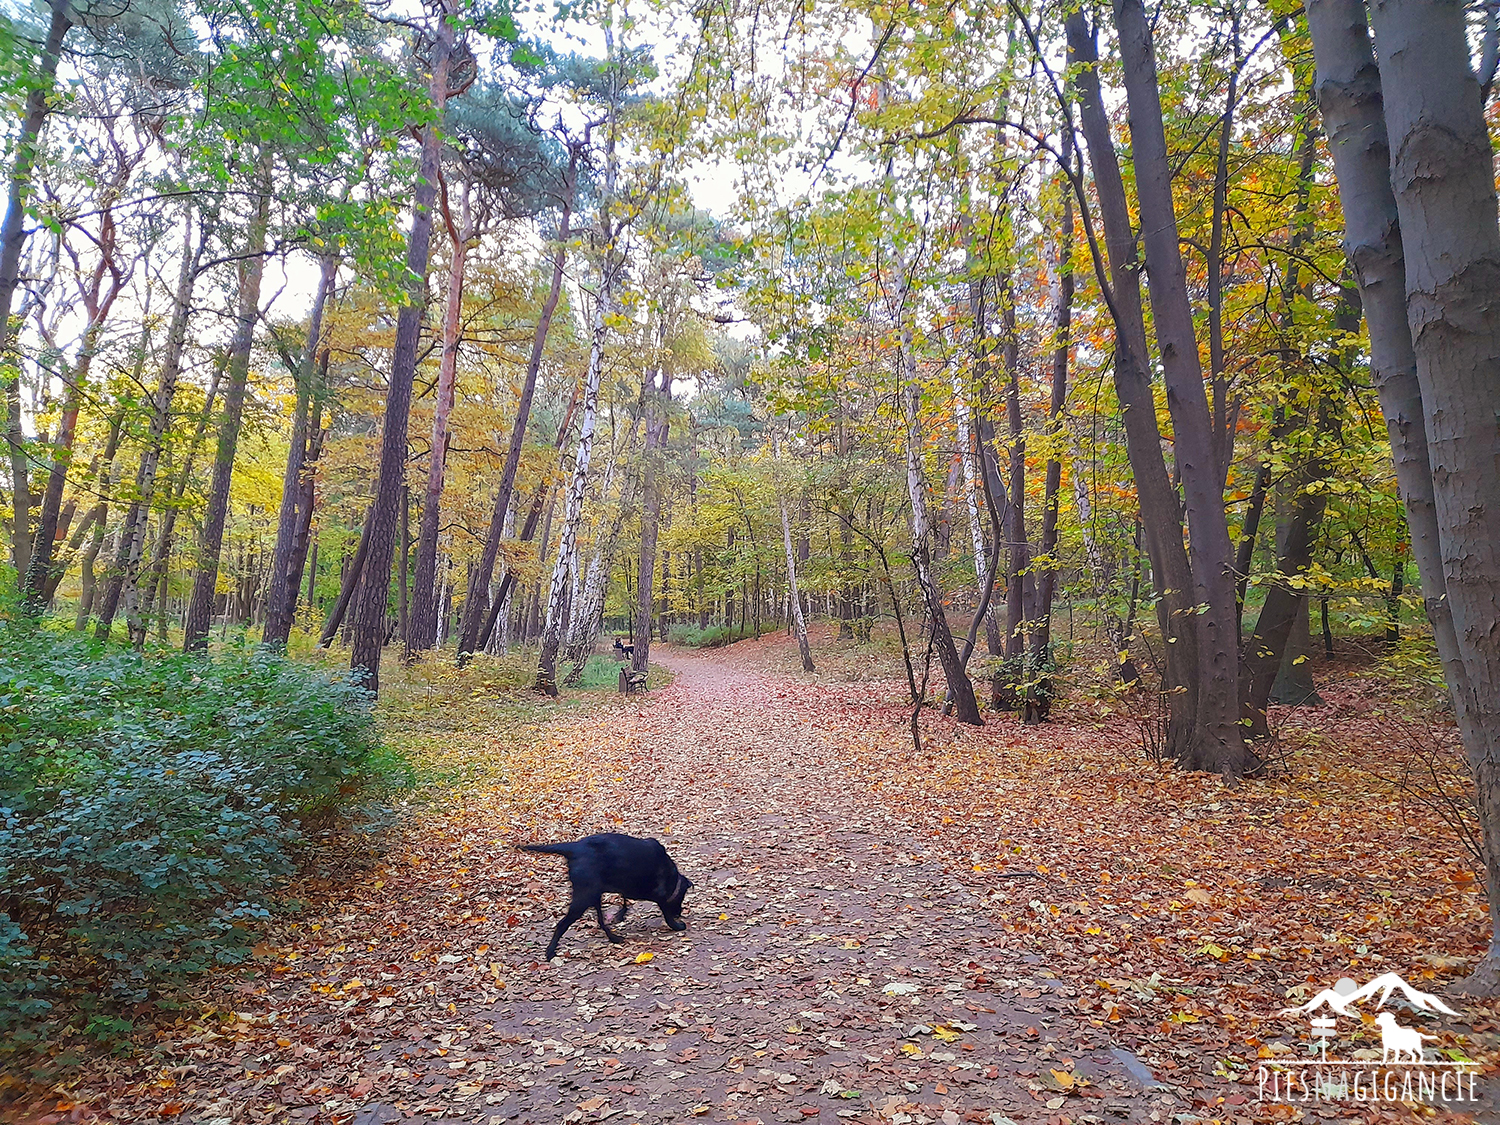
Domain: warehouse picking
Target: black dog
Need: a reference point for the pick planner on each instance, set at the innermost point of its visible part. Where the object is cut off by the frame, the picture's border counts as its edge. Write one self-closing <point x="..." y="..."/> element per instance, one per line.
<point x="624" y="648"/>
<point x="616" y="864"/>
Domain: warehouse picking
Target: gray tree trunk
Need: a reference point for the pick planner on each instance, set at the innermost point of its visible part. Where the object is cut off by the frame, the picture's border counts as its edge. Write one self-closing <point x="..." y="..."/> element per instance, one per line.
<point x="1218" y="743"/>
<point x="1161" y="516"/>
<point x="1443" y="178"/>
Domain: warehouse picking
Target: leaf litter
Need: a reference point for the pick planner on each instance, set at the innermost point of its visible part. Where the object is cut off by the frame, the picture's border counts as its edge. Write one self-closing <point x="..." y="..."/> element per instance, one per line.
<point x="852" y="953"/>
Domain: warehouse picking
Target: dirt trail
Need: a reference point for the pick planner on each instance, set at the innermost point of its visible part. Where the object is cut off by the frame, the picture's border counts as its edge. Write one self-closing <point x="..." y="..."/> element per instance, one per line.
<point x="831" y="969"/>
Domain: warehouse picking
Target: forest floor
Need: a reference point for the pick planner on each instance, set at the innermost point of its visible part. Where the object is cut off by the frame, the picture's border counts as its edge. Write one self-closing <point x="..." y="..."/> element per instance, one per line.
<point x="1022" y="923"/>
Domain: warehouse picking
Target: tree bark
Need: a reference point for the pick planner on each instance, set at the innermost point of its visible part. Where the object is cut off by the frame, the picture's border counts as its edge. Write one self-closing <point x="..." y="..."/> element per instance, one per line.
<point x="125" y="572"/>
<point x="1038" y="702"/>
<point x="960" y="690"/>
<point x="156" y="574"/>
<point x="796" y="597"/>
<point x="12" y="238"/>
<point x="1442" y="173"/>
<point x="281" y="595"/>
<point x="351" y="583"/>
<point x="372" y="604"/>
<point x="552" y="625"/>
<point x="1161" y="516"/>
<point x="476" y="618"/>
<point x="657" y="393"/>
<point x="205" y="580"/>
<point x="1218" y="743"/>
<point x="422" y="623"/>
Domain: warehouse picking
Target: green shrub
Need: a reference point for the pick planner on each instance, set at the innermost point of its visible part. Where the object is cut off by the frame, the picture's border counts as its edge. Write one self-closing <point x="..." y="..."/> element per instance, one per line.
<point x="150" y="806"/>
<point x="712" y="636"/>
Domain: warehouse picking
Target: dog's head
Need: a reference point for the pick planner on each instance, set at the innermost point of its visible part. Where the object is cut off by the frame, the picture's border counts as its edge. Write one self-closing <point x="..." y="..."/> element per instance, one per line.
<point x="673" y="905"/>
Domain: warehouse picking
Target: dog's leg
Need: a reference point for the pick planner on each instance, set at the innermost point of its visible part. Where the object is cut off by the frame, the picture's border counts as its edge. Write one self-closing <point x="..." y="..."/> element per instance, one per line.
<point x="620" y="914"/>
<point x="614" y="938"/>
<point x="672" y="923"/>
<point x="575" y="911"/>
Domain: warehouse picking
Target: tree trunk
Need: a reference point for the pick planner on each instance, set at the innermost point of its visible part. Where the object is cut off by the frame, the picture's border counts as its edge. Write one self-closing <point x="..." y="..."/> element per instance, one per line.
<point x="1265" y="647"/>
<point x="156" y="574"/>
<point x="350" y="584"/>
<point x="795" y="595"/>
<point x="371" y="608"/>
<point x="422" y="634"/>
<point x="1038" y="702"/>
<point x="1161" y="517"/>
<point x="1442" y="174"/>
<point x="1218" y="742"/>
<point x="960" y="690"/>
<point x="657" y="393"/>
<point x="252" y="268"/>
<point x="12" y="239"/>
<point x="307" y="496"/>
<point x="1294" y="686"/>
<point x="476" y="619"/>
<point x="125" y="573"/>
<point x="552" y="627"/>
<point x="281" y="596"/>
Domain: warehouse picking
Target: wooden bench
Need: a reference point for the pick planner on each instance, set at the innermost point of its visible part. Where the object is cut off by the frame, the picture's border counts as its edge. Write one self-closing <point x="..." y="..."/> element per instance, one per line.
<point x="631" y="681"/>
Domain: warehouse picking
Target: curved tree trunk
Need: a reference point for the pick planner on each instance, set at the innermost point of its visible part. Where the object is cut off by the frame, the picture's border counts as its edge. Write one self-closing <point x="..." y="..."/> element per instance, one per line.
<point x="12" y="238"/>
<point x="960" y="690"/>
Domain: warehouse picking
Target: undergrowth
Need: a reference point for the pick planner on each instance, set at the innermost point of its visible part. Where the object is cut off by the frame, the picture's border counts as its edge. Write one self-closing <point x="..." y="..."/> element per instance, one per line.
<point x="151" y="806"/>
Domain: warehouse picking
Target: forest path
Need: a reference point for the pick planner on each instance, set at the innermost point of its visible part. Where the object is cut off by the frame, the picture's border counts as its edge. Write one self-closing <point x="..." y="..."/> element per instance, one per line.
<point x="832" y="969"/>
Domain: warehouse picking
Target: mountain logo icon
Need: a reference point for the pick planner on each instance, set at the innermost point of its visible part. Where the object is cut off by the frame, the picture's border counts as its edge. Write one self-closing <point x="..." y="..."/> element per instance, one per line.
<point x="1344" y="997"/>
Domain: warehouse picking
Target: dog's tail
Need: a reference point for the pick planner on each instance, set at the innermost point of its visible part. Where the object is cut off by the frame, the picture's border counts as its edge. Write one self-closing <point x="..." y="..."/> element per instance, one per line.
<point x="564" y="850"/>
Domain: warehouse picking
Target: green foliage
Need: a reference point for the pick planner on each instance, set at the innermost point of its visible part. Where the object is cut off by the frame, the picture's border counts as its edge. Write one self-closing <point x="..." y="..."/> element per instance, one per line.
<point x="714" y="636"/>
<point x="151" y="805"/>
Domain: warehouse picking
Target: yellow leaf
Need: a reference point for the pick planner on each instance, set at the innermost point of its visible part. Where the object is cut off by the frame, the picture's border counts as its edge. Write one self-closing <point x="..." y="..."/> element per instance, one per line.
<point x="911" y="1049"/>
<point x="642" y="958"/>
<point x="946" y="1034"/>
<point x="1064" y="1079"/>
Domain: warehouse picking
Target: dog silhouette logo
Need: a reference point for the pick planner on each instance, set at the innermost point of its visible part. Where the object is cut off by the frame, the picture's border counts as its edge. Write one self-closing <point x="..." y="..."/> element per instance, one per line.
<point x="1397" y="1043"/>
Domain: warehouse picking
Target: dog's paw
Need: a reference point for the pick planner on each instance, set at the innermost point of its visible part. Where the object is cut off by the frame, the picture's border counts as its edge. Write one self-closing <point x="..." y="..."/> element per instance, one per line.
<point x="616" y="939"/>
<point x="678" y="926"/>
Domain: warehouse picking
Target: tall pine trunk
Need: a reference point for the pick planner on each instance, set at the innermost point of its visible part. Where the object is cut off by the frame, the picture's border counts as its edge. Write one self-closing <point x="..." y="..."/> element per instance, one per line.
<point x="237" y="371"/>
<point x="422" y="621"/>
<point x="478" y="622"/>
<point x="281" y="594"/>
<point x="371" y="607"/>
<point x="12" y="239"/>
